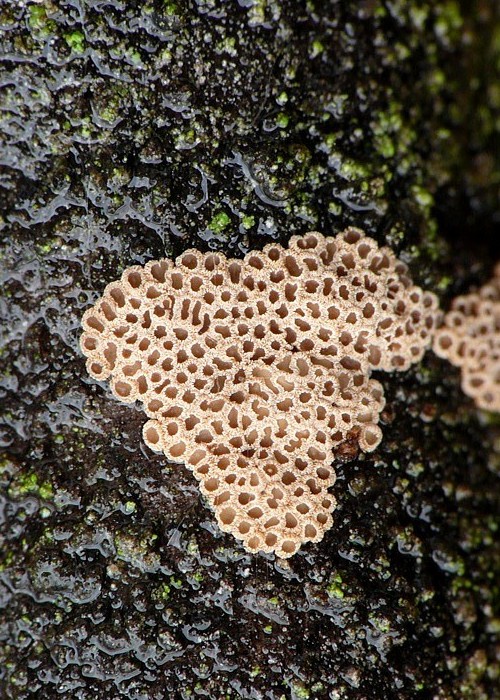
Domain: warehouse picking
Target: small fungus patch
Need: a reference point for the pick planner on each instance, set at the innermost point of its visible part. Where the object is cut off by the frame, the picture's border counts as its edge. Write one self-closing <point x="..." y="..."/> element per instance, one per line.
<point x="470" y="339"/>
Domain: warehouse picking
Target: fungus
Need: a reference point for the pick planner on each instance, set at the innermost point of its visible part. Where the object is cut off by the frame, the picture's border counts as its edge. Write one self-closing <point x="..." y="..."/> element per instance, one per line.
<point x="252" y="372"/>
<point x="470" y="339"/>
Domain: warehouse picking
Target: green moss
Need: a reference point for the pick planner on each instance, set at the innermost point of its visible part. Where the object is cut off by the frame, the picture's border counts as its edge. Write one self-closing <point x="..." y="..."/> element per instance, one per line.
<point x="317" y="687"/>
<point x="385" y="145"/>
<point x="334" y="208"/>
<point x="163" y="592"/>
<point x="393" y="136"/>
<point x="75" y="41"/>
<point x="415" y="469"/>
<point x="300" y="691"/>
<point x="380" y="622"/>
<point x="317" y="48"/>
<point x="7" y="559"/>
<point x="49" y="246"/>
<point x="422" y="196"/>
<point x="109" y="113"/>
<point x="220" y="221"/>
<point x="449" y="19"/>
<point x="248" y="222"/>
<point x="86" y="128"/>
<point x="418" y="15"/>
<point x="257" y="12"/>
<point x="46" y="491"/>
<point x="134" y="56"/>
<point x="444" y="283"/>
<point x="185" y="140"/>
<point x="334" y="588"/>
<point x="282" y="98"/>
<point x="227" y="45"/>
<point x="353" y="170"/>
<point x="282" y="120"/>
<point x="39" y="21"/>
<point x="25" y="484"/>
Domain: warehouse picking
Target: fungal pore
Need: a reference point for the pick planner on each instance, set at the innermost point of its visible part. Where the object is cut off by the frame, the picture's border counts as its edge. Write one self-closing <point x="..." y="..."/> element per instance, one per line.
<point x="253" y="372"/>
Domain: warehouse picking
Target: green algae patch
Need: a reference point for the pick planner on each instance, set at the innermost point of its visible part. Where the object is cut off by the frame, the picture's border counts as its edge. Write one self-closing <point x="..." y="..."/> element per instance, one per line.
<point x="335" y="587"/>
<point x="219" y="222"/>
<point x="39" y="21"/>
<point x="23" y="485"/>
<point x="170" y="8"/>
<point x="163" y="592"/>
<point x="282" y="120"/>
<point x="299" y="690"/>
<point x="76" y="41"/>
<point x="248" y="222"/>
<point x="7" y="558"/>
<point x="129" y="507"/>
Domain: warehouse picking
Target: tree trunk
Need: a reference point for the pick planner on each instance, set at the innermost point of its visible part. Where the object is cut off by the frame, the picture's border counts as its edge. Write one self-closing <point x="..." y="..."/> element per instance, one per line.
<point x="132" y="131"/>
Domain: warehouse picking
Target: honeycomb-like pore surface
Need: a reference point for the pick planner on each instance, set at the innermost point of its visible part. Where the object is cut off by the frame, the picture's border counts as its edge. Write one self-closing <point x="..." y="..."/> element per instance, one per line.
<point x="470" y="339"/>
<point x="253" y="371"/>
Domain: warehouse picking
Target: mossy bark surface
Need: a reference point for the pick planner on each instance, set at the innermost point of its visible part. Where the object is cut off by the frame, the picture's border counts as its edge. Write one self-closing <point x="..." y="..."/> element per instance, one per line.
<point x="131" y="131"/>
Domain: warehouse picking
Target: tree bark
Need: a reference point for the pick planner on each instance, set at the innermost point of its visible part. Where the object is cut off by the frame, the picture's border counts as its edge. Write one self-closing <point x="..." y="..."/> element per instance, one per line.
<point x="132" y="131"/>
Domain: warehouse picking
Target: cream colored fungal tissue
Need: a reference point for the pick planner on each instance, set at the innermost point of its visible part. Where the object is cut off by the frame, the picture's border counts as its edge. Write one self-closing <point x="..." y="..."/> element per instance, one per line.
<point x="470" y="339"/>
<point x="252" y="372"/>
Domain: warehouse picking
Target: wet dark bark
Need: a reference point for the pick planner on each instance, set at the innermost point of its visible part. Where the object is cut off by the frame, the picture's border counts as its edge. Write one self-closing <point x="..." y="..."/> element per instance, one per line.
<point x="131" y="131"/>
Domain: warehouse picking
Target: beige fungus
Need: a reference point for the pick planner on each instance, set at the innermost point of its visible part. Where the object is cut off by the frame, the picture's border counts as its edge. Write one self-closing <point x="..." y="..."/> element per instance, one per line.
<point x="470" y="339"/>
<point x="253" y="371"/>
